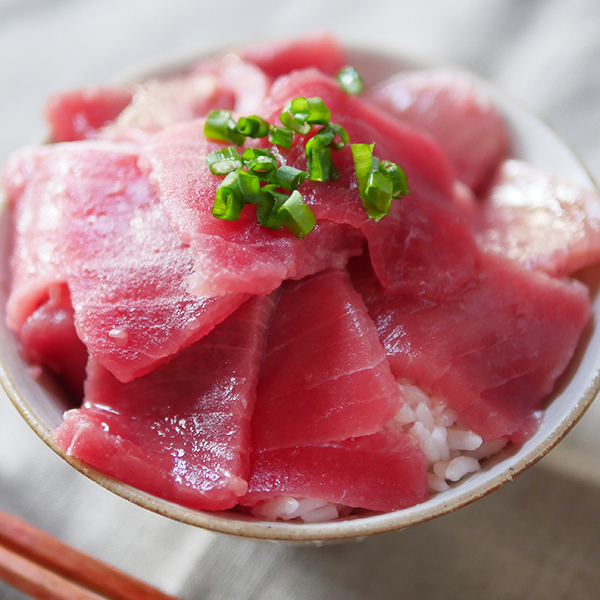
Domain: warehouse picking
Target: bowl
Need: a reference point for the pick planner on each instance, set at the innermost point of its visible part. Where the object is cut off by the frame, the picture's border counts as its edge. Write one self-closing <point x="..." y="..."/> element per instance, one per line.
<point x="41" y="404"/>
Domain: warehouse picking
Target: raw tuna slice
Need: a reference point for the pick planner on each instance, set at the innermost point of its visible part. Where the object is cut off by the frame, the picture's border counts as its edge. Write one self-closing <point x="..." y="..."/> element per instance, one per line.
<point x="492" y="353"/>
<point x="181" y="432"/>
<point x="436" y="101"/>
<point x="425" y="243"/>
<point x="48" y="338"/>
<point x="227" y="83"/>
<point x="37" y="214"/>
<point x="124" y="265"/>
<point x="325" y="376"/>
<point x="385" y="471"/>
<point x="232" y="255"/>
<point x="278" y="58"/>
<point x="540" y="221"/>
<point x="77" y="115"/>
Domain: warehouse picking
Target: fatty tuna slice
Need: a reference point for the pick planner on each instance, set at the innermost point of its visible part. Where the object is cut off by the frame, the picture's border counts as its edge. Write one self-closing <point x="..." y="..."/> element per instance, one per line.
<point x="237" y="255"/>
<point x="449" y="106"/>
<point x="79" y="114"/>
<point x="325" y="376"/>
<point x="541" y="221"/>
<point x="382" y="472"/>
<point x="110" y="241"/>
<point x="49" y="338"/>
<point x="426" y="243"/>
<point x="494" y="352"/>
<point x="321" y="51"/>
<point x="181" y="432"/>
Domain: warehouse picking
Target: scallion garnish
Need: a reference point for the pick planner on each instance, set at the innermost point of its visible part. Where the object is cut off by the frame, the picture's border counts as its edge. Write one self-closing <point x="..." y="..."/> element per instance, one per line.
<point x="288" y="178"/>
<point x="260" y="161"/>
<point x="281" y="136"/>
<point x="220" y="125"/>
<point x="398" y="177"/>
<point x="254" y="126"/>
<point x="277" y="210"/>
<point x="378" y="182"/>
<point x="318" y="161"/>
<point x="350" y="81"/>
<point x="223" y="161"/>
<point x="228" y="199"/>
<point x="301" y="113"/>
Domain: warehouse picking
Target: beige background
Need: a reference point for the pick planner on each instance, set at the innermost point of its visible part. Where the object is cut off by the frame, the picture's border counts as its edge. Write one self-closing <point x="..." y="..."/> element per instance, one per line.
<point x="537" y="538"/>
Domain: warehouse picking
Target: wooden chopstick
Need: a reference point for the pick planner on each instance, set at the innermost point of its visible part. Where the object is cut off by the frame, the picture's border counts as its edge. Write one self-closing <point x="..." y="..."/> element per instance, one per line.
<point x="47" y="569"/>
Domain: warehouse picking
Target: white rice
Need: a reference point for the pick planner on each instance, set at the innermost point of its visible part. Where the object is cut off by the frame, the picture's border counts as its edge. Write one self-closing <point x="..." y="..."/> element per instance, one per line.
<point x="453" y="451"/>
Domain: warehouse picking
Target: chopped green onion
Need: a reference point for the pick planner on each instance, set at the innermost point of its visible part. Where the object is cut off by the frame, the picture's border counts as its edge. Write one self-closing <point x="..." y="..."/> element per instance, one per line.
<point x="318" y="113"/>
<point x="249" y="186"/>
<point x="300" y="219"/>
<point x="254" y="126"/>
<point x="398" y="177"/>
<point x="223" y="161"/>
<point x="378" y="190"/>
<point x="340" y="132"/>
<point x="260" y="162"/>
<point x="228" y="199"/>
<point x="301" y="113"/>
<point x="367" y="185"/>
<point x="363" y="163"/>
<point x="219" y="125"/>
<point x="295" y="123"/>
<point x="319" y="159"/>
<point x="282" y="136"/>
<point x="288" y="177"/>
<point x="350" y="81"/>
<point x="277" y="210"/>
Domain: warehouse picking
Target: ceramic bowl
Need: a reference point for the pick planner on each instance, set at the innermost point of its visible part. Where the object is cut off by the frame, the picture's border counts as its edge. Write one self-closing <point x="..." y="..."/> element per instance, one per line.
<point x="41" y="405"/>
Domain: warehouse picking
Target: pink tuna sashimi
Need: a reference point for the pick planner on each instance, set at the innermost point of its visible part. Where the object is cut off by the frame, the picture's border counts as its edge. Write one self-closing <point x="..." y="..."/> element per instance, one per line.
<point x="325" y="376"/>
<point x="48" y="337"/>
<point x="321" y="51"/>
<point x="181" y="432"/>
<point x="111" y="242"/>
<point x="385" y="471"/>
<point x="450" y="106"/>
<point x="494" y="352"/>
<point x="227" y="83"/>
<point x="37" y="213"/>
<point x="540" y="221"/>
<point x="78" y="114"/>
<point x="425" y="243"/>
<point x="232" y="255"/>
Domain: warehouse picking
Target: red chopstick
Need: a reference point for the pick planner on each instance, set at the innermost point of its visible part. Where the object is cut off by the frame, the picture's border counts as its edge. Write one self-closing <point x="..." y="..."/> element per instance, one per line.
<point x="47" y="569"/>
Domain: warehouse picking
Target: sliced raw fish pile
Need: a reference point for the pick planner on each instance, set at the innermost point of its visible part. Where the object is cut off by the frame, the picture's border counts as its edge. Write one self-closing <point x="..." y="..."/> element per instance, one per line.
<point x="222" y="363"/>
<point x="565" y="218"/>
<point x="436" y="100"/>
<point x="181" y="432"/>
